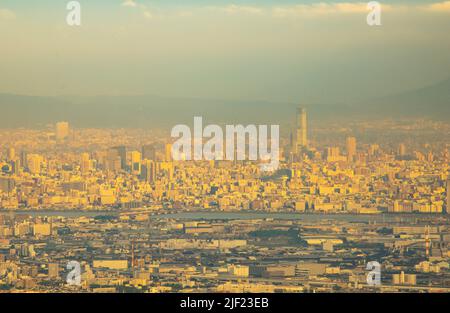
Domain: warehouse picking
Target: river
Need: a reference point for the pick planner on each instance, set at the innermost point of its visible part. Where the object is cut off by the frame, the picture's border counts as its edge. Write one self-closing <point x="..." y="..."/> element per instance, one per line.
<point x="246" y="216"/>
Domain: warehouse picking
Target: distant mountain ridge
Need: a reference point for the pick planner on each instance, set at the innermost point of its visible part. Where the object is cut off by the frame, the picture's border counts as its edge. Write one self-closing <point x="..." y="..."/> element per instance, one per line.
<point x="149" y="111"/>
<point x="431" y="101"/>
<point x="143" y="111"/>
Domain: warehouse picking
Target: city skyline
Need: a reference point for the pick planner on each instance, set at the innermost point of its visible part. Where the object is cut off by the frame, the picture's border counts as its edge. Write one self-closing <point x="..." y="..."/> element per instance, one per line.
<point x="122" y="209"/>
<point x="220" y="149"/>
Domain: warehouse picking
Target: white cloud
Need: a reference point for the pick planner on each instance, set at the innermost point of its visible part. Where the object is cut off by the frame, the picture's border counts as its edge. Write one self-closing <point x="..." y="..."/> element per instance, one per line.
<point x="315" y="9"/>
<point x="6" y="14"/>
<point x="283" y="11"/>
<point x="439" y="7"/>
<point x="129" y="3"/>
<point x="146" y="12"/>
<point x="236" y="9"/>
<point x="323" y="8"/>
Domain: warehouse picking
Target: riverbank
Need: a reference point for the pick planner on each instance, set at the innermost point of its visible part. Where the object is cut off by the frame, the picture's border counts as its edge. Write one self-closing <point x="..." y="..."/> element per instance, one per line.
<point x="244" y="215"/>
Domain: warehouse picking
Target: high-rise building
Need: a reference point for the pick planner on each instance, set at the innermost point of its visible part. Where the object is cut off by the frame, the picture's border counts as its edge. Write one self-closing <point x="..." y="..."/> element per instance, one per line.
<point x="333" y="154"/>
<point x="149" y="152"/>
<point x="149" y="171"/>
<point x="11" y="154"/>
<point x="301" y="131"/>
<point x="15" y="167"/>
<point x="122" y="154"/>
<point x="34" y="163"/>
<point x="62" y="131"/>
<point x="85" y="163"/>
<point x="6" y="184"/>
<point x="113" y="161"/>
<point x="53" y="270"/>
<point x="448" y="196"/>
<point x="168" y="152"/>
<point x="402" y="149"/>
<point x="135" y="158"/>
<point x="351" y="148"/>
<point x="23" y="158"/>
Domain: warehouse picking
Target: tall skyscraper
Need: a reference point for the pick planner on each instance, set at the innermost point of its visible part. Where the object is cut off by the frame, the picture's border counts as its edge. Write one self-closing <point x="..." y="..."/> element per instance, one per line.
<point x="333" y="154"/>
<point x="53" y="270"/>
<point x="7" y="184"/>
<point x="15" y="167"/>
<point x="23" y="158"/>
<point x="34" y="163"/>
<point x="149" y="152"/>
<point x="122" y="153"/>
<point x="85" y="163"/>
<point x="62" y="130"/>
<point x="135" y="158"/>
<point x="351" y="148"/>
<point x="11" y="154"/>
<point x="149" y="171"/>
<point x="402" y="149"/>
<point x="448" y="196"/>
<point x="168" y="152"/>
<point x="301" y="131"/>
<point x="113" y="160"/>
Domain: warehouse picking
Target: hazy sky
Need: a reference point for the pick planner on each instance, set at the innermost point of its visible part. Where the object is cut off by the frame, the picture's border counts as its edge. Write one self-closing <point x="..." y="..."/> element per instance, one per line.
<point x="285" y="50"/>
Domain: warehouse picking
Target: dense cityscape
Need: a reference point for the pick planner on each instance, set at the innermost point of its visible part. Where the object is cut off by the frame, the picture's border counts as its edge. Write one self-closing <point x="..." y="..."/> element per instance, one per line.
<point x="115" y="202"/>
<point x="217" y="156"/>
